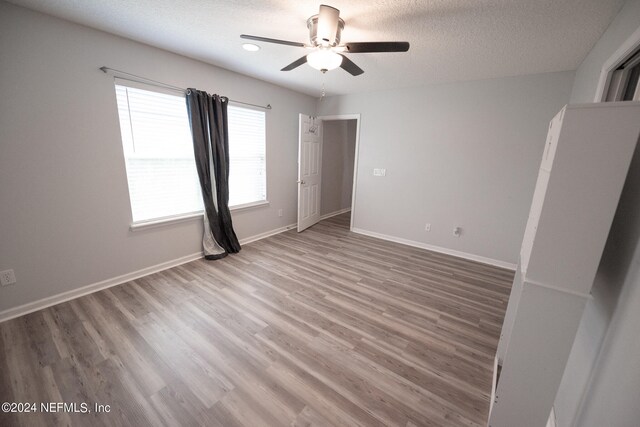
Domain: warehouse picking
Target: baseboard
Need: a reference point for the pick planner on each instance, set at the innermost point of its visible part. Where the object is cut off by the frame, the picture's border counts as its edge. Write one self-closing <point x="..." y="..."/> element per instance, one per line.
<point x="267" y="234"/>
<point x="21" y="310"/>
<point x="340" y="212"/>
<point x="104" y="284"/>
<point x="94" y="287"/>
<point x="421" y="245"/>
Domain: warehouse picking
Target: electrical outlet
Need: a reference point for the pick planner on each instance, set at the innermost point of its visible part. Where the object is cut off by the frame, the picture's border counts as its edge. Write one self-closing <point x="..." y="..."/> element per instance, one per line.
<point x="7" y="277"/>
<point x="379" y="172"/>
<point x="457" y="231"/>
<point x="279" y="212"/>
<point x="427" y="227"/>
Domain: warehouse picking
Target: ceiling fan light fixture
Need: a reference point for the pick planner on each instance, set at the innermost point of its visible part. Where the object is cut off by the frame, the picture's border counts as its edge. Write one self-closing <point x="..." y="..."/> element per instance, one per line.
<point x="324" y="60"/>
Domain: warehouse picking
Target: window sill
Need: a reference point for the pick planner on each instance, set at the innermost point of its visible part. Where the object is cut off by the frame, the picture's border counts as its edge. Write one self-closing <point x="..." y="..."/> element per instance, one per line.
<point x="249" y="205"/>
<point x="160" y="222"/>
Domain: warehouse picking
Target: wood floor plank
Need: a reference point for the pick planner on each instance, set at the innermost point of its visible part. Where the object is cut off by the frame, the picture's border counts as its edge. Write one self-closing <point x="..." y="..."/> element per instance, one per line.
<point x="321" y="328"/>
<point x="308" y="417"/>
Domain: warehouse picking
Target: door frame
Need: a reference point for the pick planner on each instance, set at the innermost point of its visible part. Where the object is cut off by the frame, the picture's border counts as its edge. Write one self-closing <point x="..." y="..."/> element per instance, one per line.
<point x="355" y="117"/>
<point x="623" y="53"/>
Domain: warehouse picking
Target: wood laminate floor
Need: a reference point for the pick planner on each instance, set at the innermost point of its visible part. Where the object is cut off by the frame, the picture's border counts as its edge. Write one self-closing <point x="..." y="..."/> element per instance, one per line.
<point x="326" y="327"/>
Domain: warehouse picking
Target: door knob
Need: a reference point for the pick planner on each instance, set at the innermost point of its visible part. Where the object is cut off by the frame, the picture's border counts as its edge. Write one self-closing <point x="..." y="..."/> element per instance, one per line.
<point x="301" y="182"/>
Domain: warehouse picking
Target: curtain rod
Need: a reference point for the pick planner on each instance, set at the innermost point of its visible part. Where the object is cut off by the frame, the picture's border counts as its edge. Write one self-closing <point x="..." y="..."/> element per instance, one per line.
<point x="141" y="79"/>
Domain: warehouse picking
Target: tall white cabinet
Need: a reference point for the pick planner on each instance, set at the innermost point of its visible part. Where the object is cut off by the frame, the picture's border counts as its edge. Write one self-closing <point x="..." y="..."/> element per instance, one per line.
<point x="585" y="162"/>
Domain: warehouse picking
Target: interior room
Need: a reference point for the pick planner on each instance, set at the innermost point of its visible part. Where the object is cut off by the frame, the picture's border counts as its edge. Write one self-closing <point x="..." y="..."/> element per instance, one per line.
<point x="355" y="213"/>
<point x="338" y="161"/>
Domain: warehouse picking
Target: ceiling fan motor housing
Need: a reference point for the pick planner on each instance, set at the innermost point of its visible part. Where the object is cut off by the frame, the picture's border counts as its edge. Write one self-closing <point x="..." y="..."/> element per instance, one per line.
<point x="312" y="25"/>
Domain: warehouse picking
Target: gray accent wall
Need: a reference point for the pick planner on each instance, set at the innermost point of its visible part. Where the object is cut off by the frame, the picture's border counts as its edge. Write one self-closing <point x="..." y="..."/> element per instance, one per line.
<point x="461" y="154"/>
<point x="64" y="203"/>
<point x="338" y="155"/>
<point x="601" y="384"/>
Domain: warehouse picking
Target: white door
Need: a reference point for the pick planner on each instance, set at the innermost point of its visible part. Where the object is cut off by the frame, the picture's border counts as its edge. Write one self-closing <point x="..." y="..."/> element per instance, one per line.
<point x="309" y="171"/>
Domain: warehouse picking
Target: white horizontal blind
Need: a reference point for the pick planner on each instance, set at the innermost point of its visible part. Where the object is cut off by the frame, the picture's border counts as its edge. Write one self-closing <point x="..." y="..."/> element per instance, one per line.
<point x="247" y="146"/>
<point x="158" y="148"/>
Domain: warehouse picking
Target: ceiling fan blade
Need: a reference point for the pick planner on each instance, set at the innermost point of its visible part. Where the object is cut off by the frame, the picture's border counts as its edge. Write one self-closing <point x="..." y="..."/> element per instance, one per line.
<point x="268" y="40"/>
<point x="295" y="64"/>
<point x="327" y="24"/>
<point x="350" y="67"/>
<point x="373" y="47"/>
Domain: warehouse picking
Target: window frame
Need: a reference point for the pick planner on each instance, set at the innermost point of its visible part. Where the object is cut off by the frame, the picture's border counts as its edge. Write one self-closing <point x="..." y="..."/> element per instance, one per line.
<point x="176" y="219"/>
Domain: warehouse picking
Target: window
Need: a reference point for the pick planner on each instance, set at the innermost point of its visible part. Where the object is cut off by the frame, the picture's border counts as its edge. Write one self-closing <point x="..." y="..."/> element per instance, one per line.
<point x="158" y="149"/>
<point x="247" y="183"/>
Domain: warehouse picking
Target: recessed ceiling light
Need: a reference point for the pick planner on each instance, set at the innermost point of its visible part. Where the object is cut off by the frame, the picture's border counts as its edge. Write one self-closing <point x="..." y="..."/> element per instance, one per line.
<point x="250" y="47"/>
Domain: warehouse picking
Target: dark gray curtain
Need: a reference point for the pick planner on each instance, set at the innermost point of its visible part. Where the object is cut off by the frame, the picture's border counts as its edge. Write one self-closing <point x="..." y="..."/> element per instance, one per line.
<point x="208" y="120"/>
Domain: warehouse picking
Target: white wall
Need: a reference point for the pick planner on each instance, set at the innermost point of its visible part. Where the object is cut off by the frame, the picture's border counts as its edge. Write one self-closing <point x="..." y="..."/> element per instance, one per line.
<point x="612" y="390"/>
<point x="64" y="204"/>
<point x="602" y="372"/>
<point x="460" y="154"/>
<point x="617" y="272"/>
<point x="338" y="155"/>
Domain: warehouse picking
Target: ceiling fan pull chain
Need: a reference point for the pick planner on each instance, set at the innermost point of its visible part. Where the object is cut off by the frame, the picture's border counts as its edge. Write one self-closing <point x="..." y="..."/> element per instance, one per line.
<point x="313" y="127"/>
<point x="318" y="104"/>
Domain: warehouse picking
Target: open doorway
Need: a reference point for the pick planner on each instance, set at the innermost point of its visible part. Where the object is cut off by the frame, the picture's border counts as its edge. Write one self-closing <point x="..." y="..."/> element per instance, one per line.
<point x="338" y="162"/>
<point x="327" y="167"/>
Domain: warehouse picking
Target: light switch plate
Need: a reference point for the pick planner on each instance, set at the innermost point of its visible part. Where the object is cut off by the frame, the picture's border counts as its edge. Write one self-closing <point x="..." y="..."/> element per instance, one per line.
<point x="379" y="172"/>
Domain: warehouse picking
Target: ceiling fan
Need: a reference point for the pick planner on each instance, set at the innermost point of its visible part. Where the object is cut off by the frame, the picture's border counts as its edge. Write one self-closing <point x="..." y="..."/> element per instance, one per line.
<point x="325" y="29"/>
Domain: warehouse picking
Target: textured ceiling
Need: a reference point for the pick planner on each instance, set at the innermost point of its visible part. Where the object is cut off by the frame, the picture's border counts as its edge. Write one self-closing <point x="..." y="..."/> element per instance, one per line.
<point x="451" y="40"/>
